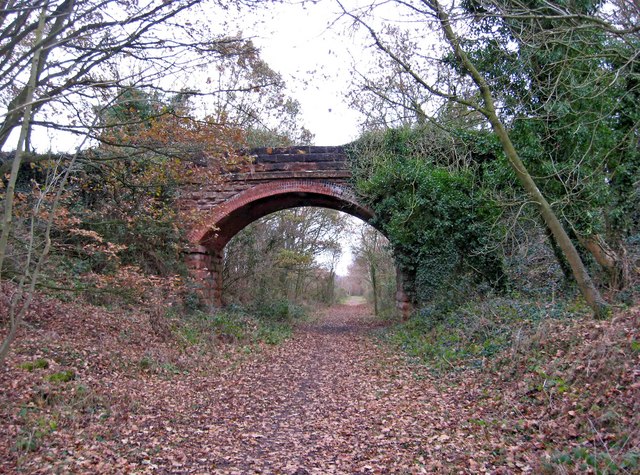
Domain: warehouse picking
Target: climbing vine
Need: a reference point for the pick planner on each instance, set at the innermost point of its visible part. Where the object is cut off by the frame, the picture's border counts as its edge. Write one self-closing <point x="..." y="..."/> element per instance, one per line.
<point x="431" y="207"/>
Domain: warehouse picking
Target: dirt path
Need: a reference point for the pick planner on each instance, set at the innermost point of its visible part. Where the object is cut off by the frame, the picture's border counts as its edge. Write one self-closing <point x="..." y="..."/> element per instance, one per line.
<point x="331" y="400"/>
<point x="310" y="404"/>
<point x="328" y="401"/>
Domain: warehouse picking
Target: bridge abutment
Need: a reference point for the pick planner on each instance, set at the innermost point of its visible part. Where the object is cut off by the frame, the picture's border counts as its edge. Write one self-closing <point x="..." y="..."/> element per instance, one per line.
<point x="205" y="266"/>
<point x="404" y="303"/>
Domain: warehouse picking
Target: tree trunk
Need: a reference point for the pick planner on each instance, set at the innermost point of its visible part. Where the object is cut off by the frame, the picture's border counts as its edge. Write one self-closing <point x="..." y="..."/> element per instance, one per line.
<point x="16" y="315"/>
<point x="608" y="259"/>
<point x="591" y="294"/>
<point x="7" y="219"/>
<point x="24" y="98"/>
<point x="585" y="283"/>
<point x="374" y="286"/>
<point x="557" y="252"/>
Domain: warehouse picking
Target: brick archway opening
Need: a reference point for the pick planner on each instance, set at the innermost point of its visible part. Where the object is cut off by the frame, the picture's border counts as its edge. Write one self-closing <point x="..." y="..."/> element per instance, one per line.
<point x="205" y="258"/>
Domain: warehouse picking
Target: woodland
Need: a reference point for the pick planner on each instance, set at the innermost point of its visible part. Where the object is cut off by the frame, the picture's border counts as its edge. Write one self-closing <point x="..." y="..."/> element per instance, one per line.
<point x="500" y="155"/>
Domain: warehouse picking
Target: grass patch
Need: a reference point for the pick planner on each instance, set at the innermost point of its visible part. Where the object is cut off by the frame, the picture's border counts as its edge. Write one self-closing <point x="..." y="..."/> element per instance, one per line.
<point x="449" y="337"/>
<point x="53" y="407"/>
<point x="270" y="323"/>
<point x="61" y="377"/>
<point x="582" y="459"/>
<point x="30" y="438"/>
<point x="30" y="366"/>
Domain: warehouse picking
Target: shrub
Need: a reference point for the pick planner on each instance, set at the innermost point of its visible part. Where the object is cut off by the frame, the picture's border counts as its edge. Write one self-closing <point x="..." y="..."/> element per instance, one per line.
<point x="436" y="216"/>
<point x="279" y="310"/>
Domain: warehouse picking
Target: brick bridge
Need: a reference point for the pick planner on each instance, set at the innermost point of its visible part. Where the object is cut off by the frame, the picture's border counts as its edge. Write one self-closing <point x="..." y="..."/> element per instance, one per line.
<point x="277" y="179"/>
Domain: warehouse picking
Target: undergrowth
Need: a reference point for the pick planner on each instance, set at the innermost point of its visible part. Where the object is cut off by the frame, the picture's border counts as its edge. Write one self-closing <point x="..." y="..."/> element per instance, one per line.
<point x="270" y="323"/>
<point x="446" y="336"/>
<point x="52" y="407"/>
<point x="571" y="380"/>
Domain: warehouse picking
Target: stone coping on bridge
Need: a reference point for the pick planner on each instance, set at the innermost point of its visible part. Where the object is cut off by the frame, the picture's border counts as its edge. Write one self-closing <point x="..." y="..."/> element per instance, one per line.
<point x="300" y="151"/>
<point x="258" y="173"/>
<point x="299" y="154"/>
<point x="273" y="163"/>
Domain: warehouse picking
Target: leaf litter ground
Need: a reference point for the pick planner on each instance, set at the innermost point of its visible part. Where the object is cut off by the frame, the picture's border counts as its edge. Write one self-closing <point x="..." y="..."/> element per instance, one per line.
<point x="330" y="400"/>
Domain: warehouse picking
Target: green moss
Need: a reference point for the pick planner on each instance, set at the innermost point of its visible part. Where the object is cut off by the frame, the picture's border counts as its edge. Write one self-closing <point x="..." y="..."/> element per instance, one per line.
<point x="40" y="363"/>
<point x="62" y="376"/>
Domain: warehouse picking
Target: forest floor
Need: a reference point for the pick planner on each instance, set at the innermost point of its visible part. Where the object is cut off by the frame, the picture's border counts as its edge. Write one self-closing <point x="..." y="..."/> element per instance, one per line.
<point x="332" y="399"/>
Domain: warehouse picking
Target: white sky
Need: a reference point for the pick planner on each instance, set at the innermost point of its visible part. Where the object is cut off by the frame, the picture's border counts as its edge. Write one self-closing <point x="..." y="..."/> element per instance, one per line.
<point x="315" y="62"/>
<point x="295" y="41"/>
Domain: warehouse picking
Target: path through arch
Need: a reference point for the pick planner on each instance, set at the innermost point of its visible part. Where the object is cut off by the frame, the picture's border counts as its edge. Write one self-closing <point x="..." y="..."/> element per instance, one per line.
<point x="277" y="179"/>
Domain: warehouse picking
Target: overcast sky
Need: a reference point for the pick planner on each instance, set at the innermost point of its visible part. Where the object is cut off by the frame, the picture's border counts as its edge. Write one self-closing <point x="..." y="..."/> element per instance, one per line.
<point x="313" y="57"/>
<point x="315" y="61"/>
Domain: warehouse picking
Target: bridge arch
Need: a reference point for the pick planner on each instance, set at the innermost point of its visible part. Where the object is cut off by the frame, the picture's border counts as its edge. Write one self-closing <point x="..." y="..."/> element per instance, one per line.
<point x="250" y="205"/>
<point x="277" y="179"/>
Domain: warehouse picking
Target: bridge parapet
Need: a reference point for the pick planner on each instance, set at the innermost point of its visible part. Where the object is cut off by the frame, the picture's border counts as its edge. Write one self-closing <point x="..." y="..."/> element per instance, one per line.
<point x="294" y="162"/>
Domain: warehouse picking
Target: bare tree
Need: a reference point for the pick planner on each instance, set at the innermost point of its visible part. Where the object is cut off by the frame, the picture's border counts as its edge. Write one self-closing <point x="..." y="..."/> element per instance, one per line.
<point x="63" y="63"/>
<point x="294" y="246"/>
<point x="372" y="254"/>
